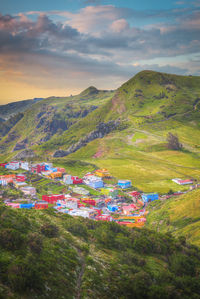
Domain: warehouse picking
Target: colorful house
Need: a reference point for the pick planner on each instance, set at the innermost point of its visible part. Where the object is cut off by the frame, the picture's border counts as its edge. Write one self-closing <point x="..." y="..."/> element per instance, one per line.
<point x="150" y="197"/>
<point x="76" y="180"/>
<point x="38" y="168"/>
<point x="89" y="201"/>
<point x="124" y="184"/>
<point x="53" y="198"/>
<point x="102" y="173"/>
<point x="128" y="209"/>
<point x="182" y="182"/>
<point x="94" y="181"/>
<point x="20" y="178"/>
<point x="67" y="179"/>
<point x="12" y="165"/>
<point x="55" y="175"/>
<point x="112" y="208"/>
<point x="24" y="165"/>
<point x="26" y="206"/>
<point x="41" y="205"/>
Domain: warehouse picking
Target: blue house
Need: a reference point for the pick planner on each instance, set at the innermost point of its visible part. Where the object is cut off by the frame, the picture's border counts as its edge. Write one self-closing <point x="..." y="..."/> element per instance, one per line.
<point x="150" y="197"/>
<point x="26" y="206"/>
<point x="124" y="184"/>
<point x="112" y="208"/>
<point x="96" y="184"/>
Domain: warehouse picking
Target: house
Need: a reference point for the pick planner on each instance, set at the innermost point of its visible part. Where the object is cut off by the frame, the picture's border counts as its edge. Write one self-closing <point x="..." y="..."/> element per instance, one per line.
<point x="55" y="175"/>
<point x="128" y="209"/>
<point x="13" y="205"/>
<point x="3" y="164"/>
<point x="112" y="208"/>
<point x="94" y="181"/>
<point x="67" y="179"/>
<point x="150" y="197"/>
<point x="89" y="201"/>
<point x="124" y="184"/>
<point x="70" y="204"/>
<point x="53" y="198"/>
<point x="29" y="190"/>
<point x="182" y="182"/>
<point x="48" y="166"/>
<point x="24" y="165"/>
<point x="26" y="205"/>
<point x="102" y="173"/>
<point x="12" y="165"/>
<point x="135" y="194"/>
<point x="76" y="180"/>
<point x="5" y="179"/>
<point x="20" y="178"/>
<point x="38" y="168"/>
<point x="60" y="169"/>
<point x="41" y="205"/>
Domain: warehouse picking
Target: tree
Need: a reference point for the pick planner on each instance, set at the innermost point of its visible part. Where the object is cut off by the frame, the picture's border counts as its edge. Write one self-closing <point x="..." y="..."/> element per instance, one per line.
<point x="173" y="142"/>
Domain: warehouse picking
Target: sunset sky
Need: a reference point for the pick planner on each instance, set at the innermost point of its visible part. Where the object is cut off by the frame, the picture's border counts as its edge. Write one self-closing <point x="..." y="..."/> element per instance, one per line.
<point x="62" y="47"/>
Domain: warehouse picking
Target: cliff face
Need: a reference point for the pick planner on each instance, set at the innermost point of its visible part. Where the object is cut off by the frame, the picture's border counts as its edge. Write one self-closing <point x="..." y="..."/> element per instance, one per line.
<point x="102" y="130"/>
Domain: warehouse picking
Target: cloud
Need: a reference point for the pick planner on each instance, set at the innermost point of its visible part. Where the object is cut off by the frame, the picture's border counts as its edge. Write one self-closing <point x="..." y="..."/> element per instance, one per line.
<point x="96" y="44"/>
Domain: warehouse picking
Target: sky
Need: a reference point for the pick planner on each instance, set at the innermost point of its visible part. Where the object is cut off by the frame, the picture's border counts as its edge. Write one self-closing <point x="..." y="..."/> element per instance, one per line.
<point x="59" y="48"/>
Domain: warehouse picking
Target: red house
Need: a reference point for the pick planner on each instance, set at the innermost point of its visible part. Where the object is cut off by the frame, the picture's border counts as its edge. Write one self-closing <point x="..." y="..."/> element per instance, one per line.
<point x="89" y="201"/>
<point x="76" y="180"/>
<point x="61" y="170"/>
<point x="38" y="168"/>
<point x="20" y="178"/>
<point x="41" y="205"/>
<point x="3" y="164"/>
<point x="53" y="198"/>
<point x="135" y="193"/>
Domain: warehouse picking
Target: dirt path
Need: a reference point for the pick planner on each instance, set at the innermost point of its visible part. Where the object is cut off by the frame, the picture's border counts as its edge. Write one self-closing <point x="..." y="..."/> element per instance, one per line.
<point x="80" y="276"/>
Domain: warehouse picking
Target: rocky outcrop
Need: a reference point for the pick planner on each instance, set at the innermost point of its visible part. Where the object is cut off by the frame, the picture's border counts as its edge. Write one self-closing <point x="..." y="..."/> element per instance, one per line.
<point x="102" y="130"/>
<point x="28" y="153"/>
<point x="21" y="145"/>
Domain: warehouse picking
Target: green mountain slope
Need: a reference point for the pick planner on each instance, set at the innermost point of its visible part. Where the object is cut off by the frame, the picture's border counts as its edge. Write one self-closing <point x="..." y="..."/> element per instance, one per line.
<point x="47" y="255"/>
<point x="148" y="106"/>
<point x="180" y="216"/>
<point x="140" y="114"/>
<point x="49" y="117"/>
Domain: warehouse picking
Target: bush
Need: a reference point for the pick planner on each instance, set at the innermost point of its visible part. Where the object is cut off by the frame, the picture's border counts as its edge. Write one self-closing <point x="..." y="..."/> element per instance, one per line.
<point x="35" y="243"/>
<point x="50" y="230"/>
<point x="11" y="239"/>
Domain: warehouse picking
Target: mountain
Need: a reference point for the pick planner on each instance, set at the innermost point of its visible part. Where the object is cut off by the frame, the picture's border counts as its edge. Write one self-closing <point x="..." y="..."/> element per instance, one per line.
<point x="177" y="215"/>
<point x="48" y="255"/>
<point x="10" y="109"/>
<point x="124" y="130"/>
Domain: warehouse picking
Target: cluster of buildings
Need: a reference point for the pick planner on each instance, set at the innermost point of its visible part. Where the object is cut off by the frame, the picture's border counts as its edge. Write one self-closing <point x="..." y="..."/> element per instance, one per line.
<point x="115" y="202"/>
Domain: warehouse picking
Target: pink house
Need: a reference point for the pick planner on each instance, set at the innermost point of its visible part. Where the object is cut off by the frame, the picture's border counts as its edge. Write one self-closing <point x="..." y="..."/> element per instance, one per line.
<point x="128" y="209"/>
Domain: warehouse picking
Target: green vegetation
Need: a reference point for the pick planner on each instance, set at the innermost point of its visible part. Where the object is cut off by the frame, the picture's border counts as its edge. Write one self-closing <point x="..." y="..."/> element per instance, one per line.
<point x="178" y="215"/>
<point x="48" y="255"/>
<point x="149" y="106"/>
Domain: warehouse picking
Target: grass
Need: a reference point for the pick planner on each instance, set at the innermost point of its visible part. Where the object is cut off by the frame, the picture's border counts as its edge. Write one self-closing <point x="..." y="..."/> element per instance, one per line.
<point x="179" y="215"/>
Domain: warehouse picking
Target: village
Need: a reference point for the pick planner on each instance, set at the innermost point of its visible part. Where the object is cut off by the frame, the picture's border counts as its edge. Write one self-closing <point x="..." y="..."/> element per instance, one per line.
<point x="93" y="196"/>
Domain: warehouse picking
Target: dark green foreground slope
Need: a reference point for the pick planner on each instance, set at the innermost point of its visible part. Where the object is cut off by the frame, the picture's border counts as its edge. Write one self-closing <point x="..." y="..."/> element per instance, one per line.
<point x="46" y="255"/>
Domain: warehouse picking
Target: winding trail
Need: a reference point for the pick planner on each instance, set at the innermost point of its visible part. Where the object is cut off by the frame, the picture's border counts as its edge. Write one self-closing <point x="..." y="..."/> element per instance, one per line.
<point x="80" y="276"/>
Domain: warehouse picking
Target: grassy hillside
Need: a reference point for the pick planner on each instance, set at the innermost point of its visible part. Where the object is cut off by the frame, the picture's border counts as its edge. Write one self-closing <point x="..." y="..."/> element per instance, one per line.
<point x="50" y="117"/>
<point x="180" y="216"/>
<point x="48" y="255"/>
<point x="148" y="106"/>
